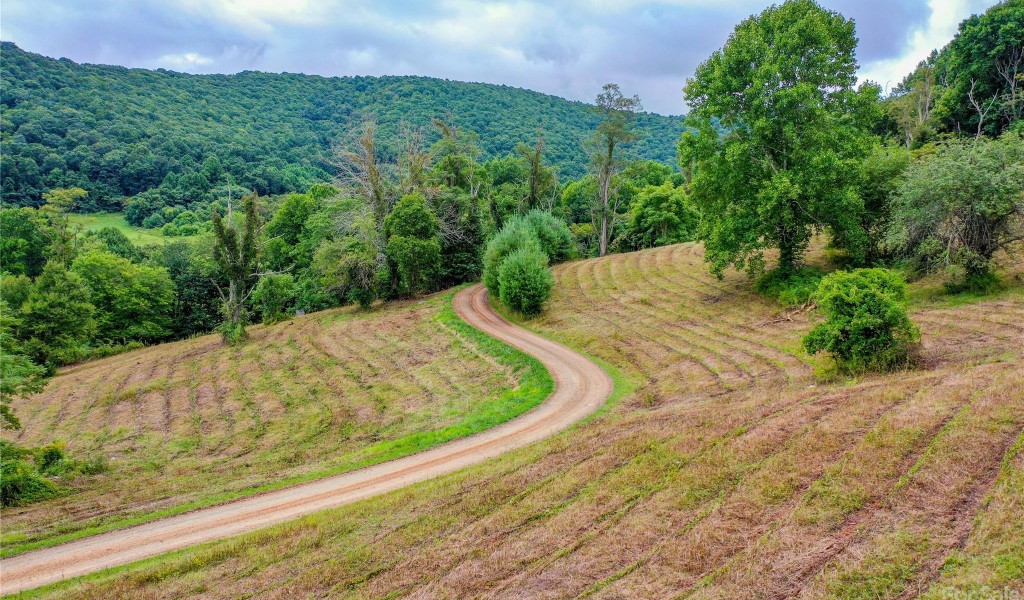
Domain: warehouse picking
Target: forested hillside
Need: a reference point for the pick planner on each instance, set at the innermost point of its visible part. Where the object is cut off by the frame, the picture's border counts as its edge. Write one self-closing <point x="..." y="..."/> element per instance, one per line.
<point x="116" y="132"/>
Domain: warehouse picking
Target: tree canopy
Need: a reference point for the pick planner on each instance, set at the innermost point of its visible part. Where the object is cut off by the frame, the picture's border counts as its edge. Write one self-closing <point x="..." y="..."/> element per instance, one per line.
<point x="779" y="136"/>
<point x="174" y="139"/>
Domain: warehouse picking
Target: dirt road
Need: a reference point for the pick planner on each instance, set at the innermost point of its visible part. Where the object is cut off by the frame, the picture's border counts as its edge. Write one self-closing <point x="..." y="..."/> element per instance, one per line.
<point x="580" y="388"/>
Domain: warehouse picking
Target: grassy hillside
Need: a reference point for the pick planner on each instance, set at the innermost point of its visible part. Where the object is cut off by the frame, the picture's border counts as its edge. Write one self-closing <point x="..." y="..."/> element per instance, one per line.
<point x="139" y="236"/>
<point x="729" y="472"/>
<point x="194" y="422"/>
<point x="117" y="132"/>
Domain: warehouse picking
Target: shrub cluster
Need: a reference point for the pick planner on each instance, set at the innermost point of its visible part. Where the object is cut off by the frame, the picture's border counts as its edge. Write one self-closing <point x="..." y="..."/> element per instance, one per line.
<point x="793" y="288"/>
<point x="274" y="296"/>
<point x="866" y="326"/>
<point x="525" y="281"/>
<point x="26" y="474"/>
<point x="516" y="260"/>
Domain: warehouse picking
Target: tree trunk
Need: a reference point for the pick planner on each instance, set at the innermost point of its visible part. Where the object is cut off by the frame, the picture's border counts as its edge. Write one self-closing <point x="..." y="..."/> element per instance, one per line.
<point x="787" y="258"/>
<point x="234" y="307"/>
<point x="603" y="245"/>
<point x="606" y="189"/>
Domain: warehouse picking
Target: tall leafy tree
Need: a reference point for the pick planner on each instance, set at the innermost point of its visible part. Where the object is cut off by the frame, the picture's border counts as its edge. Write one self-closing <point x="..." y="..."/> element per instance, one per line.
<point x="412" y="245"/>
<point x="197" y="303"/>
<point x="778" y="136"/>
<point x="659" y="215"/>
<point x="62" y="233"/>
<point x="985" y="67"/>
<point x="957" y="208"/>
<point x="353" y="268"/>
<point x="57" y="317"/>
<point x="237" y="253"/>
<point x="615" y="130"/>
<point x="133" y="302"/>
<point x="22" y="243"/>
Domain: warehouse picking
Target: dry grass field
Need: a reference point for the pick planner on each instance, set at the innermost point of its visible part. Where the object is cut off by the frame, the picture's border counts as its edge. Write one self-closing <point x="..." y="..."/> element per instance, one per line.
<point x="194" y="422"/>
<point x="729" y="471"/>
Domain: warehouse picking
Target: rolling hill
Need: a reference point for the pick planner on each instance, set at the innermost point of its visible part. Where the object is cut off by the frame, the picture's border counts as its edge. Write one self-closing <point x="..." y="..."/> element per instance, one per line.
<point x="193" y="423"/>
<point x="117" y="132"/>
<point x="726" y="470"/>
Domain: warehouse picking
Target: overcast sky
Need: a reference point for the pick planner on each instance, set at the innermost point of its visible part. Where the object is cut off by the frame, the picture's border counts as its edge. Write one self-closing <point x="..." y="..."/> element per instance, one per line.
<point x="567" y="48"/>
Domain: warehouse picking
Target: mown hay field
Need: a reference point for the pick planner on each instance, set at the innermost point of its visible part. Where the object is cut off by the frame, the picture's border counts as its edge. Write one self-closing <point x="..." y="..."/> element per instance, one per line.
<point x="728" y="471"/>
<point x="196" y="422"/>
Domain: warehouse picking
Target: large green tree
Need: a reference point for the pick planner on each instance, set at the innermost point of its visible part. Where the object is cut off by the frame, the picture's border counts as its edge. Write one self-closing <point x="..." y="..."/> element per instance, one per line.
<point x="197" y="303"/>
<point x="957" y="208"/>
<point x="23" y="242"/>
<point x="778" y="136"/>
<point x="57" y="317"/>
<point x="133" y="302"/>
<point x="984" y="66"/>
<point x="413" y="247"/>
<point x="659" y="215"/>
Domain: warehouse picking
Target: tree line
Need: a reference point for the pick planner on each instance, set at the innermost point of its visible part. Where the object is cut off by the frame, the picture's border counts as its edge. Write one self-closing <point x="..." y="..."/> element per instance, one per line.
<point x="165" y="139"/>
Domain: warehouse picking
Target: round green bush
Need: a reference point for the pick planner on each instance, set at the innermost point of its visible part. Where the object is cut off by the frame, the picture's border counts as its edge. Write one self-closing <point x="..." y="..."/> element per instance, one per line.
<point x="154" y="221"/>
<point x="524" y="281"/>
<point x="274" y="296"/>
<point x="412" y="218"/>
<point x="514" y="236"/>
<point x="866" y="326"/>
<point x="553" y="234"/>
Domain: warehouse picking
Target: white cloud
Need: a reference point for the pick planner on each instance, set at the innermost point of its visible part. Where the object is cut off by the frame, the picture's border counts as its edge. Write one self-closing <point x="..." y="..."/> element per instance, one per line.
<point x="186" y="61"/>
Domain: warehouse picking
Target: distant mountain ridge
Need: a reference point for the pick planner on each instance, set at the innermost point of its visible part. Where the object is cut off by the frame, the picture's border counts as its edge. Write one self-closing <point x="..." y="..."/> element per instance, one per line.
<point x="117" y="131"/>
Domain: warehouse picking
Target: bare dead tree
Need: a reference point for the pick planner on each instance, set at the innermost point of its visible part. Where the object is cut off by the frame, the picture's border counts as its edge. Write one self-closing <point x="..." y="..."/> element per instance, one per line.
<point x="358" y="166"/>
<point x="615" y="130"/>
<point x="413" y="159"/>
<point x="926" y="99"/>
<point x="982" y="107"/>
<point x="1011" y="69"/>
<point x="449" y="218"/>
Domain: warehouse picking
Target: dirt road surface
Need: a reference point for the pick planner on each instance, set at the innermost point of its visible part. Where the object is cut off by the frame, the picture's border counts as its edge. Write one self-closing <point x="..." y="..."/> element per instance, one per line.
<point x="581" y="387"/>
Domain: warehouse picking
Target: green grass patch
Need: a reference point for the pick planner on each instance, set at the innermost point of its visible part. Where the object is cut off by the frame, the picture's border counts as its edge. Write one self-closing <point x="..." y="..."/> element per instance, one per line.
<point x="139" y="236"/>
<point x="886" y="572"/>
<point x="932" y="293"/>
<point x="535" y="384"/>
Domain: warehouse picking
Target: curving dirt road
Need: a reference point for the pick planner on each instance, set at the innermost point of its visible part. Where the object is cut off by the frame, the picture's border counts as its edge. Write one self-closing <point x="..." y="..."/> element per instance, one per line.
<point x="580" y="388"/>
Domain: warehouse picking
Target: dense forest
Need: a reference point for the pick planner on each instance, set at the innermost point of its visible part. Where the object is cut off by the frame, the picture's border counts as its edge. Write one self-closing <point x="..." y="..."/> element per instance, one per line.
<point x="118" y="132"/>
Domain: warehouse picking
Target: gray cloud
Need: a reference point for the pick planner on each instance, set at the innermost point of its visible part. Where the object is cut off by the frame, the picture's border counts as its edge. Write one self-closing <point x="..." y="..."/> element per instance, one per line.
<point x="566" y="48"/>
